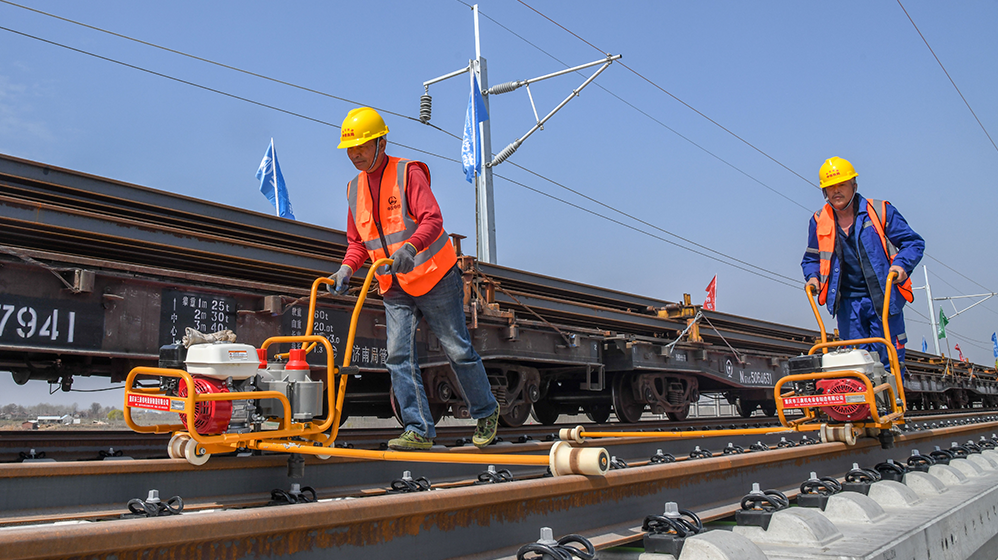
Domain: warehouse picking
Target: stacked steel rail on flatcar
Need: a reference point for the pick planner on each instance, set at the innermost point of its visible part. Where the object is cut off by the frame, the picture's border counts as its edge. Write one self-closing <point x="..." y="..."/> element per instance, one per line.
<point x="97" y="275"/>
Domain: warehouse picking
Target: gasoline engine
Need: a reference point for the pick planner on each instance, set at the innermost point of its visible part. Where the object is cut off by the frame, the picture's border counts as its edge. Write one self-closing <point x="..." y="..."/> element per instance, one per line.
<point x="226" y="367"/>
<point x="851" y="360"/>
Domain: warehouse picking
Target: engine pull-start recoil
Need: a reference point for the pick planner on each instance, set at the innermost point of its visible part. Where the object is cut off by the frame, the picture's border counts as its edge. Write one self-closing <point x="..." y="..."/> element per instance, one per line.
<point x="847" y="412"/>
<point x="210" y="417"/>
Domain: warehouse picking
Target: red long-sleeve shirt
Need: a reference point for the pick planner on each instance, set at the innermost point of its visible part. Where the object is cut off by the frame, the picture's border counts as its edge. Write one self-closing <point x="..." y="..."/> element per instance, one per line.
<point x="422" y="204"/>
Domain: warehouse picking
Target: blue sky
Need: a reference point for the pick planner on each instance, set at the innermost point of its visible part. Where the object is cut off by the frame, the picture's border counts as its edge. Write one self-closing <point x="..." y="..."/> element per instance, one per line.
<point x="793" y="83"/>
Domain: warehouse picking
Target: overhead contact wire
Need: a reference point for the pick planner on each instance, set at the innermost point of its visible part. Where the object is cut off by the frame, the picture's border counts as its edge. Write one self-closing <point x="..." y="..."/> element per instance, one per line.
<point x="965" y="102"/>
<point x="285" y="111"/>
<point x="647" y="115"/>
<point x="292" y="113"/>
<point x="663" y="90"/>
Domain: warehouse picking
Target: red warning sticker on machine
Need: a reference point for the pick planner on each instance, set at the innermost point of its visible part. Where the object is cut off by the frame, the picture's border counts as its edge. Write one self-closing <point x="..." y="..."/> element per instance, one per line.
<point x="814" y="400"/>
<point x="148" y="401"/>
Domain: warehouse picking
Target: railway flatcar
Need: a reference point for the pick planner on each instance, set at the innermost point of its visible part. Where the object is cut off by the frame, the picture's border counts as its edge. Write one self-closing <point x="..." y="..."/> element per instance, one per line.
<point x="97" y="276"/>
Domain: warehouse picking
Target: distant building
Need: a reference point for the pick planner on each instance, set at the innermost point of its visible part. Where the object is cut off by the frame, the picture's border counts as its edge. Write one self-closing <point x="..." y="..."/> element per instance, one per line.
<point x="64" y="419"/>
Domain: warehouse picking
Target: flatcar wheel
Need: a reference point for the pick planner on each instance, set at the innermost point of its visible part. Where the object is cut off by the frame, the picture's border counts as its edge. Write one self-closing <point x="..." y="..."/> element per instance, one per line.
<point x="745" y="408"/>
<point x="680" y="415"/>
<point x="628" y="409"/>
<point x="546" y="412"/>
<point x="769" y="408"/>
<point x="515" y="416"/>
<point x="598" y="413"/>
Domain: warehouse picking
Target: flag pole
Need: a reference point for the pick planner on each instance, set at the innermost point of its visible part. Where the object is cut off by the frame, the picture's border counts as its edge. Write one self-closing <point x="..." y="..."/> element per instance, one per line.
<point x="932" y="311"/>
<point x="486" y="213"/>
<point x="273" y="166"/>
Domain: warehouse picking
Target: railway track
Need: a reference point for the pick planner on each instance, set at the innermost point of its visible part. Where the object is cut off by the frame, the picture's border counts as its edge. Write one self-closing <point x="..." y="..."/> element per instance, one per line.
<point x="226" y="501"/>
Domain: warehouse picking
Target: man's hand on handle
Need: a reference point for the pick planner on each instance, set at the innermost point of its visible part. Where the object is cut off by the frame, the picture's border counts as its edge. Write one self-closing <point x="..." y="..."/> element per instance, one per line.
<point x="341" y="279"/>
<point x="404" y="259"/>
<point x="902" y="275"/>
<point x="813" y="282"/>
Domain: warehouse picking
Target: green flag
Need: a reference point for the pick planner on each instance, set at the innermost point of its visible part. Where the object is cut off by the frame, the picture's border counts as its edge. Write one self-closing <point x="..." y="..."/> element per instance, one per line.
<point x="943" y="321"/>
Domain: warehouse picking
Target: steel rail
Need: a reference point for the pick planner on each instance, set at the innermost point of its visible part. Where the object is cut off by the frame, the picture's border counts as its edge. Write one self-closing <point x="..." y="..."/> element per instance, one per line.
<point x="489" y="521"/>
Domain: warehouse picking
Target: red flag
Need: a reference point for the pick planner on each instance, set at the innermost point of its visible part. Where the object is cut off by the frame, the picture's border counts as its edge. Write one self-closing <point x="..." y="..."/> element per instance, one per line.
<point x="957" y="346"/>
<point x="708" y="303"/>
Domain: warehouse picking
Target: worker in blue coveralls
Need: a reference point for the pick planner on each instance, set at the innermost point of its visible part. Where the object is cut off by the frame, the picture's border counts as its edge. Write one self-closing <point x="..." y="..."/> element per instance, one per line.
<point x="852" y="245"/>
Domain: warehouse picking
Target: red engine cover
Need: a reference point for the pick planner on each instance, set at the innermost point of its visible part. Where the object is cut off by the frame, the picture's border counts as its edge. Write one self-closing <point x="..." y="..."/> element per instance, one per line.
<point x="849" y="412"/>
<point x="210" y="417"/>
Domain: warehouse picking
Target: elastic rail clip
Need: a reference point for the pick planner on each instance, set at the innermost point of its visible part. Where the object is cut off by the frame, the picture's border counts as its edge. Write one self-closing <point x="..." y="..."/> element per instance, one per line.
<point x="492" y="476"/>
<point x="733" y="449"/>
<point x="666" y="533"/>
<point x="814" y="492"/>
<point x="153" y="506"/>
<point x="616" y="463"/>
<point x="889" y="470"/>
<point x="547" y="548"/>
<point x="297" y="495"/>
<point x="919" y="462"/>
<point x="758" y="507"/>
<point x="660" y="457"/>
<point x="408" y="484"/>
<point x="859" y="479"/>
<point x="698" y="453"/>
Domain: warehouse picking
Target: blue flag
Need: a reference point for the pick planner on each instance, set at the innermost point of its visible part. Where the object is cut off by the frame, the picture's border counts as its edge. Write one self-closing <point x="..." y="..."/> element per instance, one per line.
<point x="272" y="183"/>
<point x="994" y="339"/>
<point x="469" y="146"/>
<point x="925" y="346"/>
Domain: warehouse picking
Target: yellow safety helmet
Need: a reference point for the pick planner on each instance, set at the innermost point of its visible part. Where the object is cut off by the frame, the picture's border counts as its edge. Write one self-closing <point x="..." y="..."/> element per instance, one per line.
<point x="834" y="171"/>
<point x="362" y="124"/>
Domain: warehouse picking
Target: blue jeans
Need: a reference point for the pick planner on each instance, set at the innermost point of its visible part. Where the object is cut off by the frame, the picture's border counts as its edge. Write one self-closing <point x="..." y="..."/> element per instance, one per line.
<point x="443" y="309"/>
<point x="858" y="319"/>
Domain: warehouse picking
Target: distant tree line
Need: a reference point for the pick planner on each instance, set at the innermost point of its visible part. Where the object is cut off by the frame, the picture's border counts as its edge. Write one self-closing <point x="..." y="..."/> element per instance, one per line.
<point x="94" y="412"/>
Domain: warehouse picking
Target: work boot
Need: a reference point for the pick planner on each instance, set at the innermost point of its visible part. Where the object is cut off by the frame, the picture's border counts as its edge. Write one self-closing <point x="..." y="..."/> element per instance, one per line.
<point x="410" y="441"/>
<point x="485" y="432"/>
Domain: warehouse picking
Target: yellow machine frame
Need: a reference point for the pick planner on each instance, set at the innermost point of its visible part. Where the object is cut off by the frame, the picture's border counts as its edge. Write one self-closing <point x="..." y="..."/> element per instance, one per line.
<point x="316" y="438"/>
<point x="807" y="404"/>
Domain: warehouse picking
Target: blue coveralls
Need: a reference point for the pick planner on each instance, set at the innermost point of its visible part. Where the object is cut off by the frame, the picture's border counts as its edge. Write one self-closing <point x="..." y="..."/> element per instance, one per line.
<point x="859" y="274"/>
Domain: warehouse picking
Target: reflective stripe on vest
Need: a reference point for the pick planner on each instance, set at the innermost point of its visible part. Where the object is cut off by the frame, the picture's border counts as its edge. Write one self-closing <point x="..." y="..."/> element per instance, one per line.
<point x="825" y="230"/>
<point x="880" y="223"/>
<point x="432" y="263"/>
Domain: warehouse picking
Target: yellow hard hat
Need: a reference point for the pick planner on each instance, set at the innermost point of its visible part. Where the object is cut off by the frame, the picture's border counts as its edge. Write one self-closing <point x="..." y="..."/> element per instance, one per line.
<point x="362" y="124"/>
<point x="834" y="171"/>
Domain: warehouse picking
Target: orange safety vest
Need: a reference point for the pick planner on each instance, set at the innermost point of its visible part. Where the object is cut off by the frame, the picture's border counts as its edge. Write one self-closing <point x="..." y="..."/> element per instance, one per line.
<point x="826" y="246"/>
<point x="432" y="263"/>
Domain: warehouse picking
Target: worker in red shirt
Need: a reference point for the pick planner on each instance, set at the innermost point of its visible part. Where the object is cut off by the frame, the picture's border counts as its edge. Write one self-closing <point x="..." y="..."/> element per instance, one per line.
<point x="394" y="214"/>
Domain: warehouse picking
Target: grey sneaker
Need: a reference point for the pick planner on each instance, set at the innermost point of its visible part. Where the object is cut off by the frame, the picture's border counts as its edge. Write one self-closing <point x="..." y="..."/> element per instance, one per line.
<point x="410" y="441"/>
<point x="485" y="432"/>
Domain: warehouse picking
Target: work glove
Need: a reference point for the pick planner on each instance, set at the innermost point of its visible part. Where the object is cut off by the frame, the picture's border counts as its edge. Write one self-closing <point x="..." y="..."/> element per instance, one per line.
<point x="341" y="279"/>
<point x="404" y="259"/>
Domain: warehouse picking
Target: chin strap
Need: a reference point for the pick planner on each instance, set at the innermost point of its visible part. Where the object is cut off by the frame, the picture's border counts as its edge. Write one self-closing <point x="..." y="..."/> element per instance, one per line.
<point x="377" y="152"/>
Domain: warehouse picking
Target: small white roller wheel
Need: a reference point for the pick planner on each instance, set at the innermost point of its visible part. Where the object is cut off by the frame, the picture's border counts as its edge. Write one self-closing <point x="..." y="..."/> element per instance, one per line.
<point x="175" y="447"/>
<point x="572" y="435"/>
<point x="326" y="443"/>
<point x="195" y="453"/>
